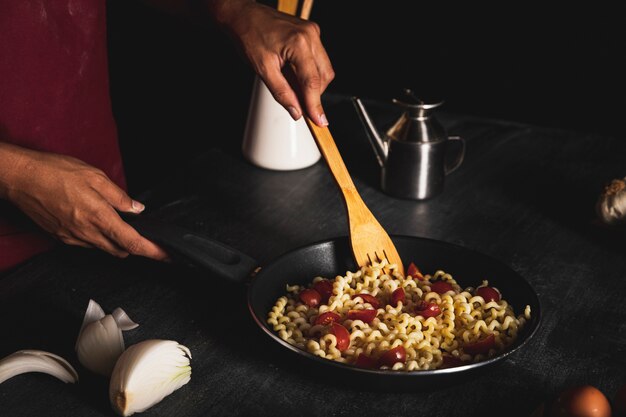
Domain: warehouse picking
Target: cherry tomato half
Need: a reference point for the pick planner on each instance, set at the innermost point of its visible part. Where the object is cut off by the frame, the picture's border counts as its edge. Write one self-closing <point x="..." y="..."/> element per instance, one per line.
<point x="310" y="297"/>
<point x="398" y="295"/>
<point x="488" y="293"/>
<point x="325" y="288"/>
<point x="369" y="299"/>
<point x="450" y="361"/>
<point x="364" y="361"/>
<point x="441" y="287"/>
<point x="413" y="271"/>
<point x="366" y="315"/>
<point x="327" y="318"/>
<point x="481" y="346"/>
<point x="392" y="356"/>
<point x="342" y="335"/>
<point x="428" y="309"/>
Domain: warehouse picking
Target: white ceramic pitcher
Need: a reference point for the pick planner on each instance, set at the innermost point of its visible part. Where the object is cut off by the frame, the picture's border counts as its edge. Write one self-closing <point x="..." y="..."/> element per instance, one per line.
<point x="272" y="139"/>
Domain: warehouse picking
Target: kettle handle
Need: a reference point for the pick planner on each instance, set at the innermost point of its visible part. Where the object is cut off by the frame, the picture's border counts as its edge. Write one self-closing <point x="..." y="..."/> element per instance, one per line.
<point x="449" y="168"/>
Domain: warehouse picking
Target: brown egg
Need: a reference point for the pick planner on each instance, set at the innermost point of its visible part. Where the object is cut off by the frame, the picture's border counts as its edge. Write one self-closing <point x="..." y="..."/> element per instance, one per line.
<point x="581" y="401"/>
<point x="620" y="402"/>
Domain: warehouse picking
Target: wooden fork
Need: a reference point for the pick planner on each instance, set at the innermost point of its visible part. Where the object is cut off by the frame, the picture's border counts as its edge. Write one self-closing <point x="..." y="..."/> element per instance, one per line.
<point x="368" y="239"/>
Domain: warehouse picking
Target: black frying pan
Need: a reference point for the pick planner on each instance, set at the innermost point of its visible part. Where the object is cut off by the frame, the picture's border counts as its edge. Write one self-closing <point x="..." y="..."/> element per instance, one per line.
<point x="333" y="257"/>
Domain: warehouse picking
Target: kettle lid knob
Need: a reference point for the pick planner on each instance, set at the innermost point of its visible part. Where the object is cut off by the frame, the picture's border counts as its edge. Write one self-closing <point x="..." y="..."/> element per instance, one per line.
<point x="415" y="105"/>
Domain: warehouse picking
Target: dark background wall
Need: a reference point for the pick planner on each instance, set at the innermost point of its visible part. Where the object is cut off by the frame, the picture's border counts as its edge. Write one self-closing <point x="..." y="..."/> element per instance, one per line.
<point x="555" y="68"/>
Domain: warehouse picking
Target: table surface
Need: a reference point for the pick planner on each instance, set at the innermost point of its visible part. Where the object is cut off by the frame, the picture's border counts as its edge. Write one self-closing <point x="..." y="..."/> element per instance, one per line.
<point x="524" y="195"/>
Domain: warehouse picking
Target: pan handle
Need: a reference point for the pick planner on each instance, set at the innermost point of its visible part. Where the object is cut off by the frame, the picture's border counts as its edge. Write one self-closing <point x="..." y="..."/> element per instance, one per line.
<point x="193" y="248"/>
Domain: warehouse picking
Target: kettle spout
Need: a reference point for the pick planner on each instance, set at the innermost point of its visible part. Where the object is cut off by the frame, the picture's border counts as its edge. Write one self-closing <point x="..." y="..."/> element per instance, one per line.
<point x="380" y="146"/>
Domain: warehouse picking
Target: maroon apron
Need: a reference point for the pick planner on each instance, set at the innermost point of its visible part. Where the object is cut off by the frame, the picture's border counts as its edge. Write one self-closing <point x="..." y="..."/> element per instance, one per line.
<point x="54" y="97"/>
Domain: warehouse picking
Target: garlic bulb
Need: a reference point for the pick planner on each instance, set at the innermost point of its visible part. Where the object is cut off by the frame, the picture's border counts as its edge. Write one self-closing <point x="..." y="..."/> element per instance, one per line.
<point x="100" y="342"/>
<point x="146" y="373"/>
<point x="611" y="206"/>
<point x="24" y="361"/>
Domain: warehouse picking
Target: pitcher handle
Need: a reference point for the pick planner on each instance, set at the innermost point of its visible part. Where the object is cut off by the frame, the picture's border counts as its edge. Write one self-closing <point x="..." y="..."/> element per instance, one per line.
<point x="459" y="159"/>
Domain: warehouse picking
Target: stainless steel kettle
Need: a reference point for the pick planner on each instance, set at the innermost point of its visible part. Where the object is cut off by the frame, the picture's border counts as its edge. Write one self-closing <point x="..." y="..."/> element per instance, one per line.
<point x="412" y="153"/>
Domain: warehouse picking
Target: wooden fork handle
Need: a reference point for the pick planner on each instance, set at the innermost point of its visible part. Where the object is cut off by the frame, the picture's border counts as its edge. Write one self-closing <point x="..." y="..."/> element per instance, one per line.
<point x="365" y="231"/>
<point x="328" y="148"/>
<point x="359" y="215"/>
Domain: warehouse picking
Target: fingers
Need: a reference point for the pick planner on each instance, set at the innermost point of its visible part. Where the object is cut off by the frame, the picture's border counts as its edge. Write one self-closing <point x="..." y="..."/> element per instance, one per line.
<point x="325" y="68"/>
<point x="322" y="61"/>
<point x="280" y="89"/>
<point x="116" y="197"/>
<point x="309" y="81"/>
<point x="95" y="240"/>
<point x="111" y="233"/>
<point x="310" y="64"/>
<point x="132" y="242"/>
<point x="310" y="85"/>
<point x="312" y="68"/>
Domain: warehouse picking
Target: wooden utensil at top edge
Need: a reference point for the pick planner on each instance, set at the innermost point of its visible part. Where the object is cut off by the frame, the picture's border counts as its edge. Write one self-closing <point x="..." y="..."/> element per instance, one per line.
<point x="369" y="240"/>
<point x="288" y="6"/>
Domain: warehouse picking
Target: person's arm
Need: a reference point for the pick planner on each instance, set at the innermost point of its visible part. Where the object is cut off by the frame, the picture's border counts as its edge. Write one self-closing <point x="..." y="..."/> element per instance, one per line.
<point x="71" y="200"/>
<point x="274" y="44"/>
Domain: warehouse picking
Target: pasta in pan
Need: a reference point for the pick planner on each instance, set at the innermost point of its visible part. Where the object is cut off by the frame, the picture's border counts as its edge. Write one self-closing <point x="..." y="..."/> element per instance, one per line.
<point x="373" y="319"/>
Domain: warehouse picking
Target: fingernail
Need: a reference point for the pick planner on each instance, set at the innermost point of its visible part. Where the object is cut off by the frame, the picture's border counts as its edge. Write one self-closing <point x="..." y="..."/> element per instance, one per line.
<point x="295" y="114"/>
<point x="138" y="207"/>
<point x="323" y="120"/>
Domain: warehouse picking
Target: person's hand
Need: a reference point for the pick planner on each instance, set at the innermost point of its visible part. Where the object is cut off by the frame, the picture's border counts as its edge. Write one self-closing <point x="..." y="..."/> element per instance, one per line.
<point x="73" y="201"/>
<point x="274" y="42"/>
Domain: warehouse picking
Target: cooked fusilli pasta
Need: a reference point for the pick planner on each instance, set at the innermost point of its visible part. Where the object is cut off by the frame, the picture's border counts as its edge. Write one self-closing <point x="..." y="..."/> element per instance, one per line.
<point x="375" y="319"/>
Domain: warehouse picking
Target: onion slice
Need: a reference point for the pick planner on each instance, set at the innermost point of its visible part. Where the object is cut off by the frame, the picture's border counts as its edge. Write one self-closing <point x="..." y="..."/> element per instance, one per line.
<point x="146" y="373"/>
<point x="122" y="319"/>
<point x="30" y="360"/>
<point x="100" y="341"/>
